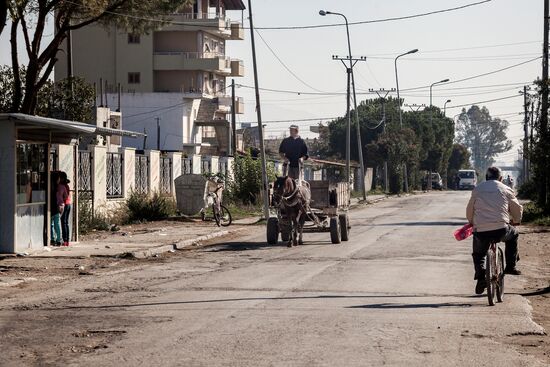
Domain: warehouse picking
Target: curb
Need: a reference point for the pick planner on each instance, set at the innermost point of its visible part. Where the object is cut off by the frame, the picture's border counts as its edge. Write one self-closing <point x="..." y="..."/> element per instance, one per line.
<point x="180" y="245"/>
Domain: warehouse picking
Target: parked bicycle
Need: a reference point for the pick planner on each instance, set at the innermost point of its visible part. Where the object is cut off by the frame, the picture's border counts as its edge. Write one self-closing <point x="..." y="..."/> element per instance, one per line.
<point x="212" y="202"/>
<point x="494" y="273"/>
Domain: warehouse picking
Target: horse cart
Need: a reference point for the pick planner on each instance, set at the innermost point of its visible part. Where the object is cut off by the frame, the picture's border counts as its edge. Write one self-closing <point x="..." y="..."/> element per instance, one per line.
<point x="327" y="212"/>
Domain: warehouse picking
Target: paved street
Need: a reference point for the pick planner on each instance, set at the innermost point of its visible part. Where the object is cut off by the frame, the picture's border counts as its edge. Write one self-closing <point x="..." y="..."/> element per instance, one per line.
<point x="400" y="293"/>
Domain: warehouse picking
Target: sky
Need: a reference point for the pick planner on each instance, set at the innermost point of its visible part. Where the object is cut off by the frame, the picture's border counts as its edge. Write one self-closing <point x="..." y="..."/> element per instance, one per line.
<point x="453" y="45"/>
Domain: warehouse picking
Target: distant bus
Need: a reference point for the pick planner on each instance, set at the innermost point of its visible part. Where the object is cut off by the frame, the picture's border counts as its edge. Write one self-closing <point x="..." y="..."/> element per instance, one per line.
<point x="468" y="179"/>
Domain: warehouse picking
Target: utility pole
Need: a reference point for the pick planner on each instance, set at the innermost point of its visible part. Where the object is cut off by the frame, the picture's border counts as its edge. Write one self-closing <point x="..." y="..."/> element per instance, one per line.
<point x="415" y="107"/>
<point x="379" y="92"/>
<point x="525" y="164"/>
<point x="233" y="135"/>
<point x="349" y="71"/>
<point x="158" y="132"/>
<point x="543" y="195"/>
<point x="259" y="115"/>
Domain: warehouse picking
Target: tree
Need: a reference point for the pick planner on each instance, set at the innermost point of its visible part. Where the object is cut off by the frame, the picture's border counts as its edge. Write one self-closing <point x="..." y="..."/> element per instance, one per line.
<point x="30" y="15"/>
<point x="484" y="135"/>
<point x="66" y="99"/>
<point x="396" y="146"/>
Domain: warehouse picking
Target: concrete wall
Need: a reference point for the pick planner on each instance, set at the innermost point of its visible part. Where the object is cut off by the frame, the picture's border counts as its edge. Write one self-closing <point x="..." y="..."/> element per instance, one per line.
<point x="175" y="41"/>
<point x="176" y="81"/>
<point x="129" y="162"/>
<point x="176" y="113"/>
<point x="8" y="192"/>
<point x="99" y="172"/>
<point x="154" y="170"/>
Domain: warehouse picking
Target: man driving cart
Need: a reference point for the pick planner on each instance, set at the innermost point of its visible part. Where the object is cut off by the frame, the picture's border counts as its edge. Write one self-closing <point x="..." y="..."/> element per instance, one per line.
<point x="292" y="150"/>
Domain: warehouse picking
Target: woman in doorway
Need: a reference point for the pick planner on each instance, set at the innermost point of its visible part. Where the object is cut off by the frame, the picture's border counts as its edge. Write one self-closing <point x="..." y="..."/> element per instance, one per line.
<point x="55" y="209"/>
<point x="65" y="193"/>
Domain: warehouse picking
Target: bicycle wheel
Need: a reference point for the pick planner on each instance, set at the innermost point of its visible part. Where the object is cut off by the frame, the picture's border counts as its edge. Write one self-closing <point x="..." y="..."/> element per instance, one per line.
<point x="216" y="214"/>
<point x="489" y="276"/>
<point x="500" y="258"/>
<point x="225" y="216"/>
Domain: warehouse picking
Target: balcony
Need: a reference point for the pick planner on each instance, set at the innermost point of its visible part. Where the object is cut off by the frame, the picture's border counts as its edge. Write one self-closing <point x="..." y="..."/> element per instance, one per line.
<point x="206" y="61"/>
<point x="216" y="24"/>
<point x="237" y="68"/>
<point x="224" y="104"/>
<point x="237" y="31"/>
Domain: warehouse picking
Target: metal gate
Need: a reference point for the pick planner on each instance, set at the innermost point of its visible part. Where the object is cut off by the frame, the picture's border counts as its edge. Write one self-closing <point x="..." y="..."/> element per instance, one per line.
<point x="165" y="175"/>
<point x="187" y="166"/>
<point x="142" y="174"/>
<point x="114" y="175"/>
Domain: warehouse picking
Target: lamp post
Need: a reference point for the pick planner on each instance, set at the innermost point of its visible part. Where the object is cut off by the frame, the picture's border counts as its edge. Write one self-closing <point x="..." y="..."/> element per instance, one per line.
<point x="359" y="143"/>
<point x="445" y="107"/>
<point x="431" y="86"/>
<point x="405" y="172"/>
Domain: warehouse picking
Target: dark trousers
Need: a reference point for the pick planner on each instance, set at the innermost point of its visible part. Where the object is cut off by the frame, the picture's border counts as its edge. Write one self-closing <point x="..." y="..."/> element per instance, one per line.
<point x="482" y="241"/>
<point x="65" y="222"/>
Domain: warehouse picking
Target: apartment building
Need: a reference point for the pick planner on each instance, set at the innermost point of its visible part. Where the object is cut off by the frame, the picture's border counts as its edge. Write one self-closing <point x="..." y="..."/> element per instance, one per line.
<point x="172" y="81"/>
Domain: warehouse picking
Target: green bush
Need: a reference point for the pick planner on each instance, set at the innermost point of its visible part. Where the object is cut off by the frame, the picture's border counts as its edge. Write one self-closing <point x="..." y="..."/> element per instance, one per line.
<point x="88" y="218"/>
<point x="143" y="207"/>
<point x="246" y="185"/>
<point x="528" y="190"/>
<point x="533" y="214"/>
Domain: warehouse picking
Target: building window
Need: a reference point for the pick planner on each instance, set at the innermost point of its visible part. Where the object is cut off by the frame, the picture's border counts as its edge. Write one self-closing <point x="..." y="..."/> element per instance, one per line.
<point x="134" y="78"/>
<point x="133" y="38"/>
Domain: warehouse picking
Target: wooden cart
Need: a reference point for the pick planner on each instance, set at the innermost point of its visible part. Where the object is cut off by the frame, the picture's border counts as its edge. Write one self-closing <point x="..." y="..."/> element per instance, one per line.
<point x="328" y="213"/>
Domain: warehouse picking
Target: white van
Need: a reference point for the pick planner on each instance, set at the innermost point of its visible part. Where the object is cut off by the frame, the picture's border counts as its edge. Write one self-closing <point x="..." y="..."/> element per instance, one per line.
<point x="468" y="179"/>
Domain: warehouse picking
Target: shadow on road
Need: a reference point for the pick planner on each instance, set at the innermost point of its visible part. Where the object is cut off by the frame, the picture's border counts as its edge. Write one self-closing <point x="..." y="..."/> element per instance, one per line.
<point x="390" y="306"/>
<point x="438" y="223"/>
<point x="291" y="298"/>
<point x="247" y="246"/>
<point x="539" y="292"/>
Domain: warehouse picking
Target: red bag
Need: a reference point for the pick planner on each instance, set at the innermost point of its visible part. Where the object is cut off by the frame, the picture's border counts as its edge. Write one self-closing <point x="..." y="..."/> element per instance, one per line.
<point x="464" y="232"/>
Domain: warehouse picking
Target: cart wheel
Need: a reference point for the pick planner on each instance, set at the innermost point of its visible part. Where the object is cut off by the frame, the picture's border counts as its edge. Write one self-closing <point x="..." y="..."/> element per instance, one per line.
<point x="335" y="232"/>
<point x="272" y="231"/>
<point x="344" y="226"/>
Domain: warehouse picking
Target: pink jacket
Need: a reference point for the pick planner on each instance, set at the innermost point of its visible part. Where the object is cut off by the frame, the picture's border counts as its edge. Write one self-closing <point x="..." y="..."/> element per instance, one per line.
<point x="61" y="195"/>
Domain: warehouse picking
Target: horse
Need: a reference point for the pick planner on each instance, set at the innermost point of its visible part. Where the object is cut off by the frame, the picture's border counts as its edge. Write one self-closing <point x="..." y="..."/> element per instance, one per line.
<point x="293" y="202"/>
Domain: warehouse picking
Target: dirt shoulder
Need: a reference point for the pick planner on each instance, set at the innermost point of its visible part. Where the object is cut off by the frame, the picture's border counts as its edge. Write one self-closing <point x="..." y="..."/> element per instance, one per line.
<point x="534" y="250"/>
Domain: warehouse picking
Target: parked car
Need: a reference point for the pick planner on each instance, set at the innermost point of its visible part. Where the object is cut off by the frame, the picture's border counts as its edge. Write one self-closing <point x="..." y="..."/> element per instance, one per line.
<point x="467" y="179"/>
<point x="437" y="182"/>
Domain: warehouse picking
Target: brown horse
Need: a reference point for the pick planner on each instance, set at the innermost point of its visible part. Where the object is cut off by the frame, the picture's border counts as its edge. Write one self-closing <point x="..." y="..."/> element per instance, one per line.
<point x="293" y="201"/>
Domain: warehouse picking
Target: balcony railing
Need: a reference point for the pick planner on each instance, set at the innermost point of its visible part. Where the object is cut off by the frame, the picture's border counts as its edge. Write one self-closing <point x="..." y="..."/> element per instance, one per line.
<point x="223" y="22"/>
<point x="191" y="55"/>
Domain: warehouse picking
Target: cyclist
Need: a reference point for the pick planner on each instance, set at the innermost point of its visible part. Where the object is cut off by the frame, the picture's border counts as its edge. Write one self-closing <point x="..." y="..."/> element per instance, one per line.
<point x="492" y="210"/>
<point x="214" y="184"/>
<point x="292" y="150"/>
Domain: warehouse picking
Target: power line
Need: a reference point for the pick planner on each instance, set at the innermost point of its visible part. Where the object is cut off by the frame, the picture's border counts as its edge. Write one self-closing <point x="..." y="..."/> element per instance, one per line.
<point x="462" y="48"/>
<point x="462" y="59"/>
<point x="378" y="20"/>
<point x="284" y="65"/>
<point x="191" y="24"/>
<point x="481" y="75"/>
<point x="489" y="100"/>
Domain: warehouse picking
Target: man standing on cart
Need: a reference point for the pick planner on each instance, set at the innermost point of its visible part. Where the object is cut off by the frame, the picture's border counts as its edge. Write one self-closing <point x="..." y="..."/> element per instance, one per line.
<point x="292" y="150"/>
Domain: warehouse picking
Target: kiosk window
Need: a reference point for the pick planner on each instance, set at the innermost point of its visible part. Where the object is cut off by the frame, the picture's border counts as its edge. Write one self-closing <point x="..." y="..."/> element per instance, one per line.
<point x="31" y="173"/>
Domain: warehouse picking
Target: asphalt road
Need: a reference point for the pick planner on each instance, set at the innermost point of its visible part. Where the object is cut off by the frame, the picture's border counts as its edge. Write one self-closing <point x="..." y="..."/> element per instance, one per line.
<point x="399" y="293"/>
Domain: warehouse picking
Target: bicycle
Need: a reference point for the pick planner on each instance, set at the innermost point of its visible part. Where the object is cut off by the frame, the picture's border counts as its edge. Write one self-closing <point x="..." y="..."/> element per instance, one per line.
<point x="220" y="213"/>
<point x="494" y="273"/>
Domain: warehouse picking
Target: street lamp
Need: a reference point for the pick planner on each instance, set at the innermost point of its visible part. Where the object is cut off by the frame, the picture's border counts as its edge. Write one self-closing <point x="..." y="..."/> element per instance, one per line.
<point x="405" y="173"/>
<point x="397" y="82"/>
<point x="431" y="86"/>
<point x="445" y="107"/>
<point x="359" y="144"/>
